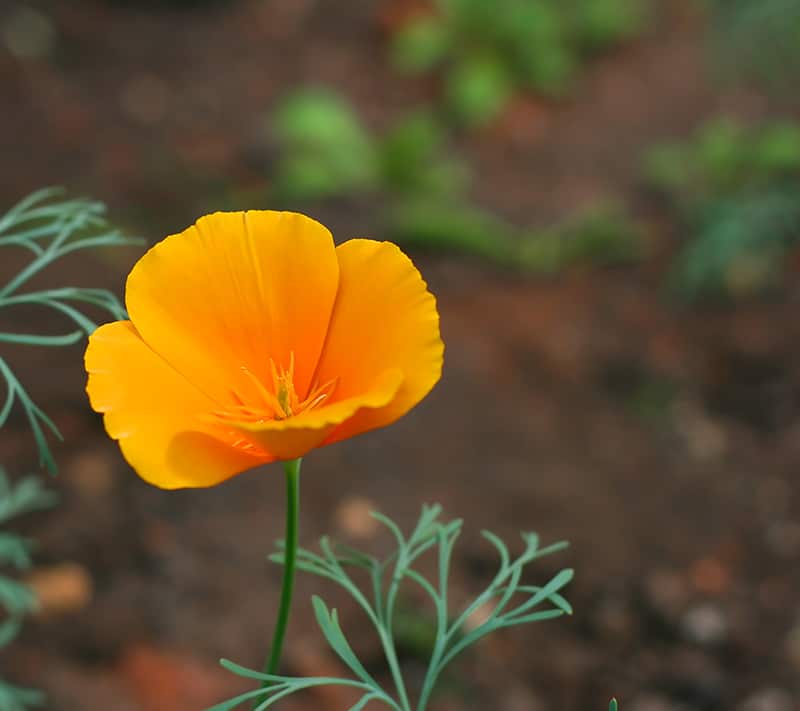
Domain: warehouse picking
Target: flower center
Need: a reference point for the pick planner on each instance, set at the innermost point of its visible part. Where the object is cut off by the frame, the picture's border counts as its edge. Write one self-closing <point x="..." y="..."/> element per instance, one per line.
<point x="279" y="402"/>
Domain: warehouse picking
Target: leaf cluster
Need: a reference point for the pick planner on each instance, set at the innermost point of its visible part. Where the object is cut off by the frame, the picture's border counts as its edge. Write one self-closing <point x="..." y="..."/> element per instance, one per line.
<point x="600" y="234"/>
<point x="487" y="51"/>
<point x="737" y="190"/>
<point x="759" y="40"/>
<point x="325" y="151"/>
<point x="49" y="228"/>
<point x="506" y="601"/>
<point x="16" y="599"/>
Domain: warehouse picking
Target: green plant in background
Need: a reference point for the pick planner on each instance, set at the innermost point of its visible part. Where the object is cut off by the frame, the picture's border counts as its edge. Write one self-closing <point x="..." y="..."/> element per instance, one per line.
<point x="489" y="51"/>
<point x="740" y="247"/>
<point x="325" y="151"/>
<point x="453" y="227"/>
<point x="738" y="191"/>
<point x="16" y="599"/>
<point x="726" y="157"/>
<point x="415" y="160"/>
<point x="505" y="602"/>
<point x="49" y="228"/>
<point x="600" y="234"/>
<point x="758" y="39"/>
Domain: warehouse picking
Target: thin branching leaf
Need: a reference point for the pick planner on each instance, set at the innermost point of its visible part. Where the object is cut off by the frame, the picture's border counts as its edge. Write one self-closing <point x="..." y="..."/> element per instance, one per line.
<point x="544" y="593"/>
<point x="50" y="227"/>
<point x="328" y="622"/>
<point x="429" y="532"/>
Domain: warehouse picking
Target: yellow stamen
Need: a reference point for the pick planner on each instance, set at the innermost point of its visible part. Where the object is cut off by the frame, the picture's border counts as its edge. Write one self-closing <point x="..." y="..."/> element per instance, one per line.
<point x="278" y="403"/>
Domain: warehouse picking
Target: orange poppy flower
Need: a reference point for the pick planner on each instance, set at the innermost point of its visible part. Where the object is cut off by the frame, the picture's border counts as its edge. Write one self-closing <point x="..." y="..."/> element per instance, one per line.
<point x="253" y="338"/>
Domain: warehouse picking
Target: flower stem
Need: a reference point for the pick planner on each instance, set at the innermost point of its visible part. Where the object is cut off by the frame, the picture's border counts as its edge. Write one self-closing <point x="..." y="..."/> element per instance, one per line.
<point x="292" y="469"/>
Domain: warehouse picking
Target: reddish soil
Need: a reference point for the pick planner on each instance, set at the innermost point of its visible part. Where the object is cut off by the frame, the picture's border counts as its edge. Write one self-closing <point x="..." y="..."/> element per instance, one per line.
<point x="661" y="442"/>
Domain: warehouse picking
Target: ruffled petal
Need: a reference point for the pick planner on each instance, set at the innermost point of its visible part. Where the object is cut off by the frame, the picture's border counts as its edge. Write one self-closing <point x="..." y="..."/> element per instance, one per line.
<point x="295" y="436"/>
<point x="157" y="414"/>
<point x="222" y="298"/>
<point x="384" y="319"/>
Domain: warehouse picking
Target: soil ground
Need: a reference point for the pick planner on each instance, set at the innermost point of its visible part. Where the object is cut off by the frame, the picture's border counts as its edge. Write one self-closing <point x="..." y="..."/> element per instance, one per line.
<point x="682" y="508"/>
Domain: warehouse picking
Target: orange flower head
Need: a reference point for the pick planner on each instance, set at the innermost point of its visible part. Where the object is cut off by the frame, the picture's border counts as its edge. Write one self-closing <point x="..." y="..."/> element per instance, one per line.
<point x="253" y="338"/>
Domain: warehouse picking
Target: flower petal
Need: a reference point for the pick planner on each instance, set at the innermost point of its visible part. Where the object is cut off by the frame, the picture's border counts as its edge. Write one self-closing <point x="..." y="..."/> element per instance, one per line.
<point x="384" y="318"/>
<point x="234" y="290"/>
<point x="153" y="411"/>
<point x="297" y="435"/>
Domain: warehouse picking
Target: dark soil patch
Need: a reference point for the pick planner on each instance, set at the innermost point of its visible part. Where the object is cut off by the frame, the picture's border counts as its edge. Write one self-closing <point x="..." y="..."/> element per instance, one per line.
<point x="662" y="442"/>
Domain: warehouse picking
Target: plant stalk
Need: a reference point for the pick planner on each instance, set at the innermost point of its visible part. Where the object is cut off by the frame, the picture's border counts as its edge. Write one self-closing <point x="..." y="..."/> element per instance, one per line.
<point x="292" y="469"/>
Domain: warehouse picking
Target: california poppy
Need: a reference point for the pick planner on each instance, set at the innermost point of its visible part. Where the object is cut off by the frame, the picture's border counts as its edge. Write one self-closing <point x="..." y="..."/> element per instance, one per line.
<point x="253" y="338"/>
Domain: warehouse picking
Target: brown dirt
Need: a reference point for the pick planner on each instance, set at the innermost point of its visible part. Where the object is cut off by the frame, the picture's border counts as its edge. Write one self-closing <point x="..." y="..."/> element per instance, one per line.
<point x="682" y="514"/>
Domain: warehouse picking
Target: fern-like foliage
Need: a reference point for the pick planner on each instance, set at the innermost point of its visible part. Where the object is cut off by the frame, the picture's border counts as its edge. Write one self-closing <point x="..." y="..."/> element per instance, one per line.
<point x="16" y="599"/>
<point x="488" y="51"/>
<point x="737" y="191"/>
<point x="505" y="602"/>
<point x="759" y="38"/>
<point x="50" y="228"/>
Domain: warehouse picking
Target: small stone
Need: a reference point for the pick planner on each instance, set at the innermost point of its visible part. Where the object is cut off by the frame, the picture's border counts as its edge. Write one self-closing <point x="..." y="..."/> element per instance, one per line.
<point x="61" y="589"/>
<point x="710" y="576"/>
<point x="167" y="679"/>
<point x="771" y="699"/>
<point x="705" y="438"/>
<point x="479" y="616"/>
<point x="91" y="472"/>
<point x="666" y="592"/>
<point x="353" y="516"/>
<point x="705" y="624"/>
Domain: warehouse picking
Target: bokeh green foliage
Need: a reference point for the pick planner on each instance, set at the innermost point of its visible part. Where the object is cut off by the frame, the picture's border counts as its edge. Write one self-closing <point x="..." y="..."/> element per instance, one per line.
<point x="487" y="51"/>
<point x="47" y="227"/>
<point x="16" y="599"/>
<point x="758" y="39"/>
<point x="601" y="234"/>
<point x="421" y="186"/>
<point x="326" y="151"/>
<point x="736" y="189"/>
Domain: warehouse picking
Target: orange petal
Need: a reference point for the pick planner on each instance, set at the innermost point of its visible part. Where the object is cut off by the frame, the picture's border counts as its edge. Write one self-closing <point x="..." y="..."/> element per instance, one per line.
<point x="384" y="318"/>
<point x="224" y="296"/>
<point x="297" y="435"/>
<point x="153" y="411"/>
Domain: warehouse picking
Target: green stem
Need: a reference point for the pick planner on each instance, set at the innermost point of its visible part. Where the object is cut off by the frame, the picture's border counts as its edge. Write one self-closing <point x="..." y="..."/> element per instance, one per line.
<point x="292" y="469"/>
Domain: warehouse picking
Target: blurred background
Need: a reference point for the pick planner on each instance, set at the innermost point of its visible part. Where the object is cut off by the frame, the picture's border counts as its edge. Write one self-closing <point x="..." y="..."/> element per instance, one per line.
<point x="604" y="196"/>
